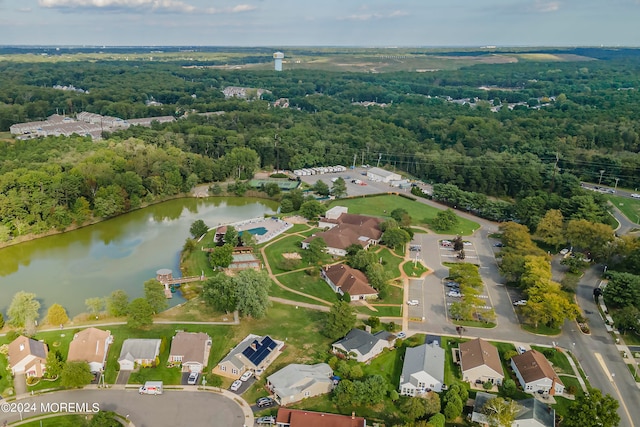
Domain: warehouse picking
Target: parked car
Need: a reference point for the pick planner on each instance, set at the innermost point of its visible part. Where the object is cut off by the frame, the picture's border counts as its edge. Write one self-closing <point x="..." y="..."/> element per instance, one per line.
<point x="236" y="385"/>
<point x="266" y="420"/>
<point x="246" y="376"/>
<point x="452" y="284"/>
<point x="454" y="294"/>
<point x="193" y="378"/>
<point x="265" y="402"/>
<point x="520" y="302"/>
<point x="401" y="335"/>
<point x="498" y="245"/>
<point x="413" y="302"/>
<point x="521" y="349"/>
<point x="564" y="251"/>
<point x="635" y="195"/>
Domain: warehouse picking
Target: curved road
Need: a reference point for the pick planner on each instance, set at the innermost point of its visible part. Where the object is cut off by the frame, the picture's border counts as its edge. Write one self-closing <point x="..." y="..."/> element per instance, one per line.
<point x="173" y="408"/>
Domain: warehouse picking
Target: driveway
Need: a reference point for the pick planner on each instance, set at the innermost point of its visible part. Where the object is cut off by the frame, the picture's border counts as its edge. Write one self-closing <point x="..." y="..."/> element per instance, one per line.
<point x="245" y="386"/>
<point x="19" y="384"/>
<point x="123" y="377"/>
<point x="173" y="408"/>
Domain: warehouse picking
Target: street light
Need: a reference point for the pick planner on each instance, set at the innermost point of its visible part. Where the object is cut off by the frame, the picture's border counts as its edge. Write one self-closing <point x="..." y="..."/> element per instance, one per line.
<point x="602" y="171"/>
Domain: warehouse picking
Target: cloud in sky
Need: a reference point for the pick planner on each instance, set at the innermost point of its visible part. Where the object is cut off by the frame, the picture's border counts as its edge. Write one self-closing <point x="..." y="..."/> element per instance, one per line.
<point x="366" y="15"/>
<point x="175" y="6"/>
<point x="545" y="6"/>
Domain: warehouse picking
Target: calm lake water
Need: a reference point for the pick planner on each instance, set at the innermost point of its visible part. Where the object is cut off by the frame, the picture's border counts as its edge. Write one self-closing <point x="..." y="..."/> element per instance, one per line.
<point x="121" y="253"/>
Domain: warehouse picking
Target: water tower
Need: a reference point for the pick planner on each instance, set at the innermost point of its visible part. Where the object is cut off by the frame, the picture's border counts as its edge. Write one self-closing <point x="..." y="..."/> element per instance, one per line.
<point x="277" y="60"/>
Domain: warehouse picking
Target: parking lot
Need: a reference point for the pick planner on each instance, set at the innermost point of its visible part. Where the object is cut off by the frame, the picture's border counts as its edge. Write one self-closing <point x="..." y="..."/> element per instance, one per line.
<point x="359" y="173"/>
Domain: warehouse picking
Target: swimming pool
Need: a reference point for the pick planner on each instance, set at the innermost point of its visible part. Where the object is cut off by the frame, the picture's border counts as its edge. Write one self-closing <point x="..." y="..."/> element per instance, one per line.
<point x="260" y="231"/>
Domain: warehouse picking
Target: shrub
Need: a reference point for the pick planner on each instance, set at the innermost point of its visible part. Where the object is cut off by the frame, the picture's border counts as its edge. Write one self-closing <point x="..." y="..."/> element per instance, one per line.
<point x="549" y="352"/>
<point x="487" y="385"/>
<point x="572" y="389"/>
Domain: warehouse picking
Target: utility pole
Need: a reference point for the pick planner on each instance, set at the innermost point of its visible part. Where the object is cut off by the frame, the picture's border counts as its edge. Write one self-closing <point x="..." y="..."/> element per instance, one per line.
<point x="362" y="163"/>
<point x="379" y="158"/>
<point x="354" y="161"/>
<point x="602" y="171"/>
<point x="616" y="187"/>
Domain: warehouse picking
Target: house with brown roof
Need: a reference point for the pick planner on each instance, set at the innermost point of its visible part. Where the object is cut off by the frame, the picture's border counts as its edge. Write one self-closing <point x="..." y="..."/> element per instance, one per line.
<point x="480" y="362"/>
<point x="90" y="345"/>
<point x="346" y="230"/>
<point x="191" y="350"/>
<point x="300" y="418"/>
<point x="535" y="373"/>
<point x="346" y="280"/>
<point x="27" y="356"/>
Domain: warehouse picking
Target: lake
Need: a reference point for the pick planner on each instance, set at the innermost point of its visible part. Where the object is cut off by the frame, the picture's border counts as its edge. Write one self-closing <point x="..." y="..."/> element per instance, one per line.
<point x="120" y="253"/>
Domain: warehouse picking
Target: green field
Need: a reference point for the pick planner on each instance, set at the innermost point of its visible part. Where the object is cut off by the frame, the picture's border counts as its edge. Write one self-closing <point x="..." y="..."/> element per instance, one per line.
<point x="382" y="311"/>
<point x="391" y="262"/>
<point x="421" y="214"/>
<point x="73" y="420"/>
<point x="289" y="244"/>
<point x="629" y="207"/>
<point x="412" y="269"/>
<point x="312" y="285"/>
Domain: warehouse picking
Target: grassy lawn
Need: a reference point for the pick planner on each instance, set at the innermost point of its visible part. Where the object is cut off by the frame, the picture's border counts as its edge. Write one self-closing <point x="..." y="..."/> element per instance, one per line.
<point x="193" y="310"/>
<point x="541" y="330"/>
<point x="383" y="311"/>
<point x="387" y="365"/>
<point x="298" y="228"/>
<point x="289" y="244"/>
<point x="452" y="372"/>
<point x="73" y="420"/>
<point x="557" y="359"/>
<point x="420" y="213"/>
<point x="633" y="371"/>
<point x="629" y="207"/>
<point x="631" y="338"/>
<point x="6" y="381"/>
<point x="395" y="296"/>
<point x="277" y="291"/>
<point x="571" y="381"/>
<point x="504" y="347"/>
<point x="301" y="281"/>
<point x="310" y="231"/>
<point x="412" y="269"/>
<point x="391" y="262"/>
<point x="562" y="406"/>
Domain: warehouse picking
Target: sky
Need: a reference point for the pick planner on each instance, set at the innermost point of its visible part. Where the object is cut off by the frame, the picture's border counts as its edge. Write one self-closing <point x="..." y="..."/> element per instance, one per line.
<point x="367" y="23"/>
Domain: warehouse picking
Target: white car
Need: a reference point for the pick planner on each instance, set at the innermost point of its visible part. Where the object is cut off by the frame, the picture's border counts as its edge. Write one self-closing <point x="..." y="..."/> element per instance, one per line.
<point x="236" y="385"/>
<point x="246" y="376"/>
<point x="635" y="196"/>
<point x="401" y="335"/>
<point x="564" y="251"/>
<point x="520" y="302"/>
<point x="454" y="294"/>
<point x="193" y="378"/>
<point x="413" y="302"/>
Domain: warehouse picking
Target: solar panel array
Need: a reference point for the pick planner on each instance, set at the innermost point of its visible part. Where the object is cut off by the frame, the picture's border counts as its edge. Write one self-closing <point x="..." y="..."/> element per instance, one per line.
<point x="262" y="350"/>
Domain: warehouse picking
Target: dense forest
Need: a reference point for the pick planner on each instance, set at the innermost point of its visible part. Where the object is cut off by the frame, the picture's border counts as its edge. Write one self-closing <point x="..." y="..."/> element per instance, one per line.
<point x="524" y="132"/>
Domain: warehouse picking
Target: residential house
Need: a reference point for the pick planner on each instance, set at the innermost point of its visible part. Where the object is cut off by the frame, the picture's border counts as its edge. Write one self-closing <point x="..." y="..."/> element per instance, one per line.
<point x="346" y="280"/>
<point x="362" y="345"/>
<point x="191" y="350"/>
<point x="90" y="345"/>
<point x="422" y="370"/>
<point x="138" y="351"/>
<point x="254" y="353"/>
<point x="480" y="362"/>
<point x="531" y="412"/>
<point x="377" y="174"/>
<point x="27" y="356"/>
<point x="300" y="418"/>
<point x="535" y="373"/>
<point x="346" y="230"/>
<point x="295" y="382"/>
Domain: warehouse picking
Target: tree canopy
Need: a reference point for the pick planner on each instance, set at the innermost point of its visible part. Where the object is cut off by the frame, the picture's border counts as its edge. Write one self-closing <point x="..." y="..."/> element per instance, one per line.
<point x="340" y="320"/>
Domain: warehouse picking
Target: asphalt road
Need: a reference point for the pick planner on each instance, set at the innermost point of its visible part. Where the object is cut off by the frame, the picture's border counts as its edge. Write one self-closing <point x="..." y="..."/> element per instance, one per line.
<point x="173" y="408"/>
<point x="615" y="378"/>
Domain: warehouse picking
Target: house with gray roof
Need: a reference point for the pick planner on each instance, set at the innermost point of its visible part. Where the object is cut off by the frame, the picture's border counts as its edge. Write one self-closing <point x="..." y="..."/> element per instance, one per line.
<point x="531" y="412"/>
<point x="362" y="345"/>
<point x="295" y="382"/>
<point x="254" y="353"/>
<point x="138" y="351"/>
<point x="422" y="370"/>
